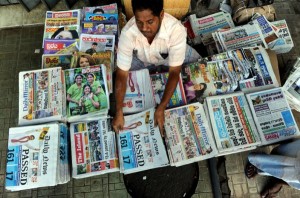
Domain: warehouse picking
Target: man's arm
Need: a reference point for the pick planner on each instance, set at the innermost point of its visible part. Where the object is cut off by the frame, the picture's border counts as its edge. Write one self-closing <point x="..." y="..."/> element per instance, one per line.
<point x="173" y="78"/>
<point x="120" y="89"/>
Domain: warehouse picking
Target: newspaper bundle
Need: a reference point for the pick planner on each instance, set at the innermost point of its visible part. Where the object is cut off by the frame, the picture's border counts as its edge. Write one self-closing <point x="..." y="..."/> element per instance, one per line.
<point x="86" y="92"/>
<point x="93" y="148"/>
<point x="57" y="60"/>
<point x="291" y="87"/>
<point x="246" y="70"/>
<point x="139" y="93"/>
<point x="62" y="25"/>
<point x="37" y="156"/>
<point x="41" y="96"/>
<point x="188" y="135"/>
<point x="60" y="46"/>
<point x="272" y="115"/>
<point x="232" y="123"/>
<point x="140" y="144"/>
<point x="204" y="27"/>
<point x="159" y="82"/>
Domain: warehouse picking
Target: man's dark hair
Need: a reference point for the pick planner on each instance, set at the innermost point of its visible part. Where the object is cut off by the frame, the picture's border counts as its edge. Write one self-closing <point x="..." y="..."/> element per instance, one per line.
<point x="98" y="10"/>
<point x="94" y="43"/>
<point x="156" y="6"/>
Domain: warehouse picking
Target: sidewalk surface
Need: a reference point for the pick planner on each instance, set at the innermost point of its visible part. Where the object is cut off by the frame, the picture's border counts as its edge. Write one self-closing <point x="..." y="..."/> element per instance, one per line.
<point x="17" y="53"/>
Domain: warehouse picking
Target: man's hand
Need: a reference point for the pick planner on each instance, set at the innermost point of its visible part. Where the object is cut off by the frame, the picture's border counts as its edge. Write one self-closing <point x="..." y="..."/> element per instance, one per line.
<point x="118" y="122"/>
<point x="159" y="119"/>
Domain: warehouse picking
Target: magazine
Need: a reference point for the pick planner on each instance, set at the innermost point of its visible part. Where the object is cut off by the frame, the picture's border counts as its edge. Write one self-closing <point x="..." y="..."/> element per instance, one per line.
<point x="285" y="42"/>
<point x="188" y="135"/>
<point x="98" y="27"/>
<point x="62" y="25"/>
<point x="86" y="93"/>
<point x="60" y="46"/>
<point x="91" y="44"/>
<point x="57" y="60"/>
<point x="140" y="144"/>
<point x="93" y="148"/>
<point x="205" y="26"/>
<point x="273" y="116"/>
<point x="41" y="96"/>
<point x="291" y="87"/>
<point x="108" y="9"/>
<point x="139" y="93"/>
<point x="159" y="82"/>
<point x="104" y="18"/>
<point x="33" y="157"/>
<point x="232" y="123"/>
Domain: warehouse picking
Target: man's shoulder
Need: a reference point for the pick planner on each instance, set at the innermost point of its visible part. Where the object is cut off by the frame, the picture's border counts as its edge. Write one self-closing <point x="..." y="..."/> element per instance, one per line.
<point x="172" y="24"/>
<point x="130" y="27"/>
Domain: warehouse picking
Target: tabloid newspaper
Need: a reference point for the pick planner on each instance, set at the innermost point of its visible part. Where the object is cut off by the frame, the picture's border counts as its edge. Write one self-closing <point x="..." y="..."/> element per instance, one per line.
<point x="159" y="82"/>
<point x="41" y="96"/>
<point x="102" y="43"/>
<point x="246" y="70"/>
<point x="93" y="148"/>
<point x="232" y="123"/>
<point x="205" y="26"/>
<point x="291" y="87"/>
<point x="285" y="42"/>
<point x="57" y="60"/>
<point x="60" y="46"/>
<point x="139" y="93"/>
<point x="273" y="116"/>
<point x="86" y="93"/>
<point x="249" y="35"/>
<point x="140" y="144"/>
<point x="62" y="25"/>
<point x="34" y="158"/>
<point x="188" y="135"/>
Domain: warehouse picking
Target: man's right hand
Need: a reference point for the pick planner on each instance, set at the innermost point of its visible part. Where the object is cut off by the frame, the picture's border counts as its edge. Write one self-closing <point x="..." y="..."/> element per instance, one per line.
<point x="118" y="122"/>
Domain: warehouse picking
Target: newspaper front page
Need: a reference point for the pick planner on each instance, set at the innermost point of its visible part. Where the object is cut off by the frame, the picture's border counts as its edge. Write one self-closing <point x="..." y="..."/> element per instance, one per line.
<point x="273" y="116"/>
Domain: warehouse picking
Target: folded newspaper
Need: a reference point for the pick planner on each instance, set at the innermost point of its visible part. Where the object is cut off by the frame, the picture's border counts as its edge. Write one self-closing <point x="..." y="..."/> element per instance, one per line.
<point x="140" y="144"/>
<point x="273" y="116"/>
<point x="188" y="135"/>
<point x="93" y="148"/>
<point x="37" y="156"/>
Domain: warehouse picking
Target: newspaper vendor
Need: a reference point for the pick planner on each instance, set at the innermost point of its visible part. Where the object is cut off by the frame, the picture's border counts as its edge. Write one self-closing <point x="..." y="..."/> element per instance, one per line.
<point x="151" y="38"/>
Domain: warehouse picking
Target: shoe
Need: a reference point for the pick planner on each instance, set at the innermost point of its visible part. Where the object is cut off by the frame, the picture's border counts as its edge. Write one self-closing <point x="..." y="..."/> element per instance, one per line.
<point x="250" y="170"/>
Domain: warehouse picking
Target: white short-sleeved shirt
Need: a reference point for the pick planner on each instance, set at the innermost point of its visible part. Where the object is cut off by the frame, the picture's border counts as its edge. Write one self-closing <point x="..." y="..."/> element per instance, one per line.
<point x="170" y="40"/>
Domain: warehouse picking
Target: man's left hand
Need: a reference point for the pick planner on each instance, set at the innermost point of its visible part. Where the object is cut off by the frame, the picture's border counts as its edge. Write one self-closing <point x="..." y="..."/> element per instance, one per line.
<point x="159" y="119"/>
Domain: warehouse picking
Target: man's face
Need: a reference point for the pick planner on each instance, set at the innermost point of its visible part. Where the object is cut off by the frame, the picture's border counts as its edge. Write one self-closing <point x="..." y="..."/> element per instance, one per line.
<point x="94" y="46"/>
<point x="147" y="23"/>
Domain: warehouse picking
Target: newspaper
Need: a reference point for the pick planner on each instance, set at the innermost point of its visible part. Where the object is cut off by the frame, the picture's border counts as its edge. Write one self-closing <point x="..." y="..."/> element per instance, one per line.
<point x="242" y="36"/>
<point x="86" y="93"/>
<point x="104" y="18"/>
<point x="205" y="26"/>
<point x="285" y="42"/>
<point x="62" y="25"/>
<point x="159" y="82"/>
<point x="273" y="116"/>
<point x="291" y="89"/>
<point x="57" y="60"/>
<point x="98" y="27"/>
<point x="41" y="96"/>
<point x="188" y="135"/>
<point x="33" y="157"/>
<point x="140" y="144"/>
<point x="64" y="154"/>
<point x="139" y="93"/>
<point x="60" y="46"/>
<point x="103" y="43"/>
<point x="232" y="123"/>
<point x="93" y="148"/>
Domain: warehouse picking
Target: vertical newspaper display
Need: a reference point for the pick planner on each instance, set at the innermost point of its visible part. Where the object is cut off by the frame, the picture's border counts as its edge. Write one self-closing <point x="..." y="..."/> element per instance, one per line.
<point x="86" y="92"/>
<point x="273" y="116"/>
<point x="93" y="148"/>
<point x="41" y="96"/>
<point x="62" y="25"/>
<point x="33" y="157"/>
<point x="159" y="82"/>
<point x="140" y="144"/>
<point x="139" y="94"/>
<point x="188" y="135"/>
<point x="232" y="123"/>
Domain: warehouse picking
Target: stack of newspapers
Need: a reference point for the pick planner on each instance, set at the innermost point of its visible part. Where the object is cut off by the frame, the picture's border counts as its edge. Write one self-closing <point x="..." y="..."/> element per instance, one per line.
<point x="139" y="93"/>
<point x="37" y="156"/>
<point x="291" y="87"/>
<point x="93" y="146"/>
<point x="140" y="144"/>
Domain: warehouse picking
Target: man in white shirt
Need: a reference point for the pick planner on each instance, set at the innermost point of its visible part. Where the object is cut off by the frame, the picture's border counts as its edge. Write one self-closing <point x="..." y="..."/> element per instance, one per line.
<point x="151" y="38"/>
